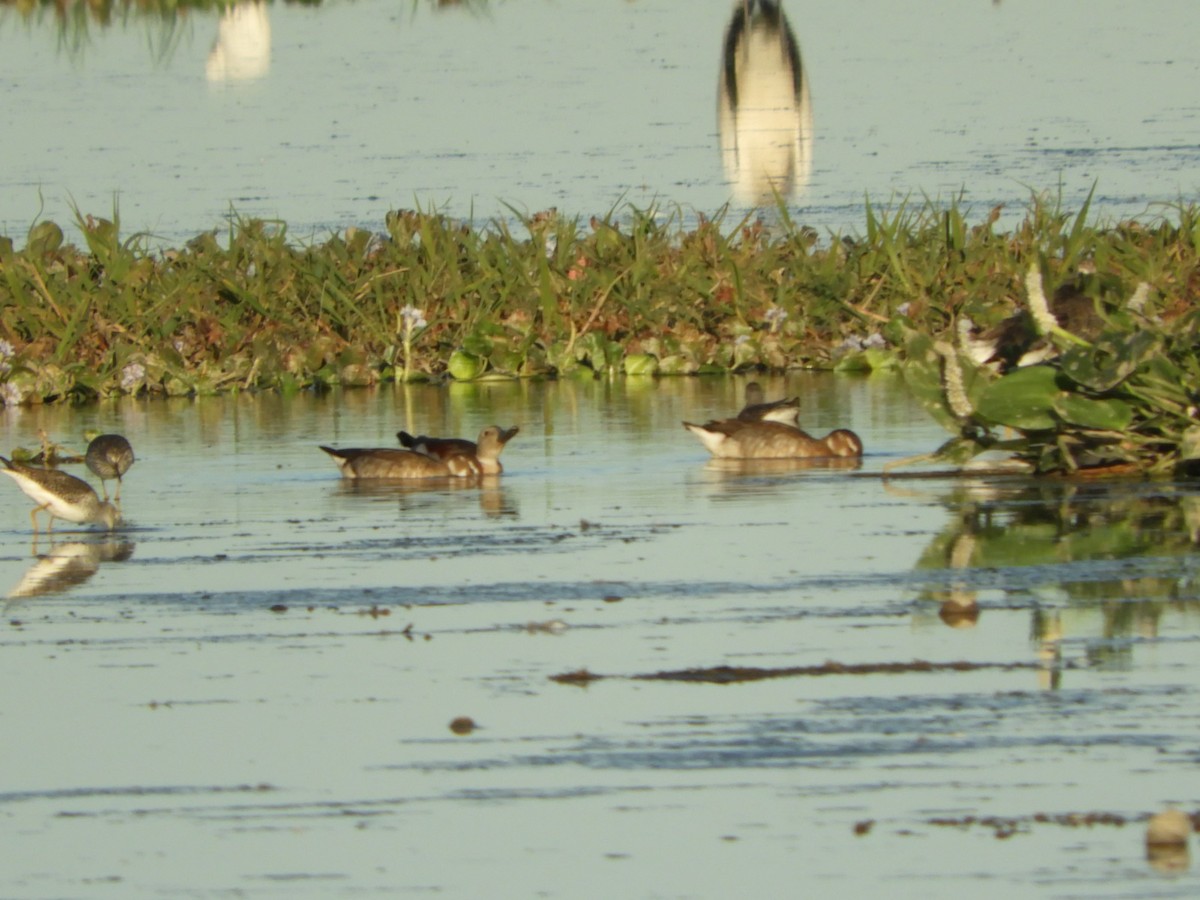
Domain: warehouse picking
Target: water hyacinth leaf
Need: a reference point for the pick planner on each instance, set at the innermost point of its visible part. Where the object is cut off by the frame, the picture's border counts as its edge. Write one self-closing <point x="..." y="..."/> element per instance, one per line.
<point x="44" y="238"/>
<point x="477" y="344"/>
<point x="677" y="364"/>
<point x="641" y="364"/>
<point x="1110" y="360"/>
<point x="507" y="359"/>
<point x="465" y="366"/>
<point x="746" y="352"/>
<point x="853" y="362"/>
<point x="1088" y="412"/>
<point x="924" y="379"/>
<point x="1189" y="444"/>
<point x="880" y="358"/>
<point x="1023" y="399"/>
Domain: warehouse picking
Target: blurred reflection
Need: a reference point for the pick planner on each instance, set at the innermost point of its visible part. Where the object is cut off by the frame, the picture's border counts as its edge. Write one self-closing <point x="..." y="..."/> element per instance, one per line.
<point x="764" y="115"/>
<point x="418" y="494"/>
<point x="1167" y="836"/>
<point x="751" y="467"/>
<point x="66" y="565"/>
<point x="957" y="603"/>
<point x="1027" y="540"/>
<point x="242" y="50"/>
<point x="1168" y="859"/>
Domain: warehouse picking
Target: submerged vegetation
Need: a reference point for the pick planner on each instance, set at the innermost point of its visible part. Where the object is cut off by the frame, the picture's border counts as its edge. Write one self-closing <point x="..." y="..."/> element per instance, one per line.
<point x="1100" y="373"/>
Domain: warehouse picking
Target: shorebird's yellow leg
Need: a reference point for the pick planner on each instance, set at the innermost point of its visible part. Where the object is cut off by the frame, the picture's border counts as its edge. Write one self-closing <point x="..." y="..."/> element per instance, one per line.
<point x="33" y="516"/>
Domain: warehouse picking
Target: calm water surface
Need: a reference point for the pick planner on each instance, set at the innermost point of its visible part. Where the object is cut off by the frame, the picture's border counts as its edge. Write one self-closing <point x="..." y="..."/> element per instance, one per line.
<point x="248" y="690"/>
<point x="328" y="116"/>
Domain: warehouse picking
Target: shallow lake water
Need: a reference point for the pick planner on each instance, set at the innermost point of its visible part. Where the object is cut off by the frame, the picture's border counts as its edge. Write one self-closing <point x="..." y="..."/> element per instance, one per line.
<point x="329" y="115"/>
<point x="248" y="690"/>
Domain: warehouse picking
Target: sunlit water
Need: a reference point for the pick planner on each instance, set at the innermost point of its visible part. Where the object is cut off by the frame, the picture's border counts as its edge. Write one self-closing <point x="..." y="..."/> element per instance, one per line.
<point x="247" y="691"/>
<point x="328" y="116"/>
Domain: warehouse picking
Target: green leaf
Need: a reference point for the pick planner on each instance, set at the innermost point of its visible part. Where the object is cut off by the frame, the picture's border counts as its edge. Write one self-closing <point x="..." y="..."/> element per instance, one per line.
<point x="1112" y="359"/>
<point x="1023" y="399"/>
<point x="1087" y="412"/>
<point x="640" y="364"/>
<point x="464" y="366"/>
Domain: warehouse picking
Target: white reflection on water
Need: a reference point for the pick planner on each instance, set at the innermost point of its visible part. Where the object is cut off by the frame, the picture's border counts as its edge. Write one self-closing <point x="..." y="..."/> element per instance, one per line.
<point x="242" y="50"/>
<point x="764" y="111"/>
<point x="581" y="106"/>
<point x="258" y="700"/>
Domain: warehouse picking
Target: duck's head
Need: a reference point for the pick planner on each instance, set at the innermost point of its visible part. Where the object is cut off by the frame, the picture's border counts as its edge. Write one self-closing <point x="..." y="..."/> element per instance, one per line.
<point x="492" y="440"/>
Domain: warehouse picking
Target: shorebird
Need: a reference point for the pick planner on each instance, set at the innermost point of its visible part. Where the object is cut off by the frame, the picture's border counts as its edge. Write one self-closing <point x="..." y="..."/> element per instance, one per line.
<point x="109" y="456"/>
<point x="736" y="439"/>
<point x="485" y="451"/>
<point x="757" y="409"/>
<point x="386" y="462"/>
<point x="62" y="496"/>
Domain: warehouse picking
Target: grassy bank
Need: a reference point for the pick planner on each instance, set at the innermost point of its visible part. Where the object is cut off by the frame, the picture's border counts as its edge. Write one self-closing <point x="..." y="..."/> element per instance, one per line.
<point x="636" y="292"/>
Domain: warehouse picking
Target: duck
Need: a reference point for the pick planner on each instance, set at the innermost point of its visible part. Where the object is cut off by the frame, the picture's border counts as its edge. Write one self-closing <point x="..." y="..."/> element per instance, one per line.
<point x="109" y="456"/>
<point x="758" y="409"/>
<point x="393" y="463"/>
<point x="738" y="439"/>
<point x="485" y="451"/>
<point x="61" y="496"/>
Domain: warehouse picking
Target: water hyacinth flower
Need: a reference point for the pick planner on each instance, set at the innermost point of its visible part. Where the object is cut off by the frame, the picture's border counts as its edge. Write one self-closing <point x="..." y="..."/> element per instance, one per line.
<point x="412" y="320"/>
<point x="1043" y="319"/>
<point x="775" y="317"/>
<point x="132" y="377"/>
<point x="855" y="344"/>
<point x="952" y="381"/>
<point x="11" y="394"/>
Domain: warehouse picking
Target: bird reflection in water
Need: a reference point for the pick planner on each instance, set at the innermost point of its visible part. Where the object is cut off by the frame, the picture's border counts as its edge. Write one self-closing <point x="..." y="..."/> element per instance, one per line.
<point x="242" y="50"/>
<point x="494" y="500"/>
<point x="764" y="114"/>
<point x="68" y="564"/>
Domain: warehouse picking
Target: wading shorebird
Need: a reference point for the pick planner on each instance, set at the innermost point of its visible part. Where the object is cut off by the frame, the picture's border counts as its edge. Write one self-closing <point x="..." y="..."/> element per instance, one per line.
<point x="390" y="463"/>
<point x="757" y="409"/>
<point x="62" y="496"/>
<point x="109" y="456"/>
<point x="485" y="451"/>
<point x="735" y="439"/>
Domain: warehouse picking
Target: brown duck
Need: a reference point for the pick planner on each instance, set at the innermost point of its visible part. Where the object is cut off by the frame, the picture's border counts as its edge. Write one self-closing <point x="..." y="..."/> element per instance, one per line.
<point x="391" y="463"/>
<point x="738" y="439"/>
<point x="484" y="452"/>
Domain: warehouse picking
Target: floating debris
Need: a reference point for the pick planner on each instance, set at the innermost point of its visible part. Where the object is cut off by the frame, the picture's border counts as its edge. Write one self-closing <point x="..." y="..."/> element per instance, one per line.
<point x="735" y="674"/>
<point x="1171" y="827"/>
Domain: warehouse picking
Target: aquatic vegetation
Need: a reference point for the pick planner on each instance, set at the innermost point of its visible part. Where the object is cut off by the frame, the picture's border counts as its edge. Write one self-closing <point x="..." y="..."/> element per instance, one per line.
<point x="1099" y="323"/>
<point x="1097" y="378"/>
